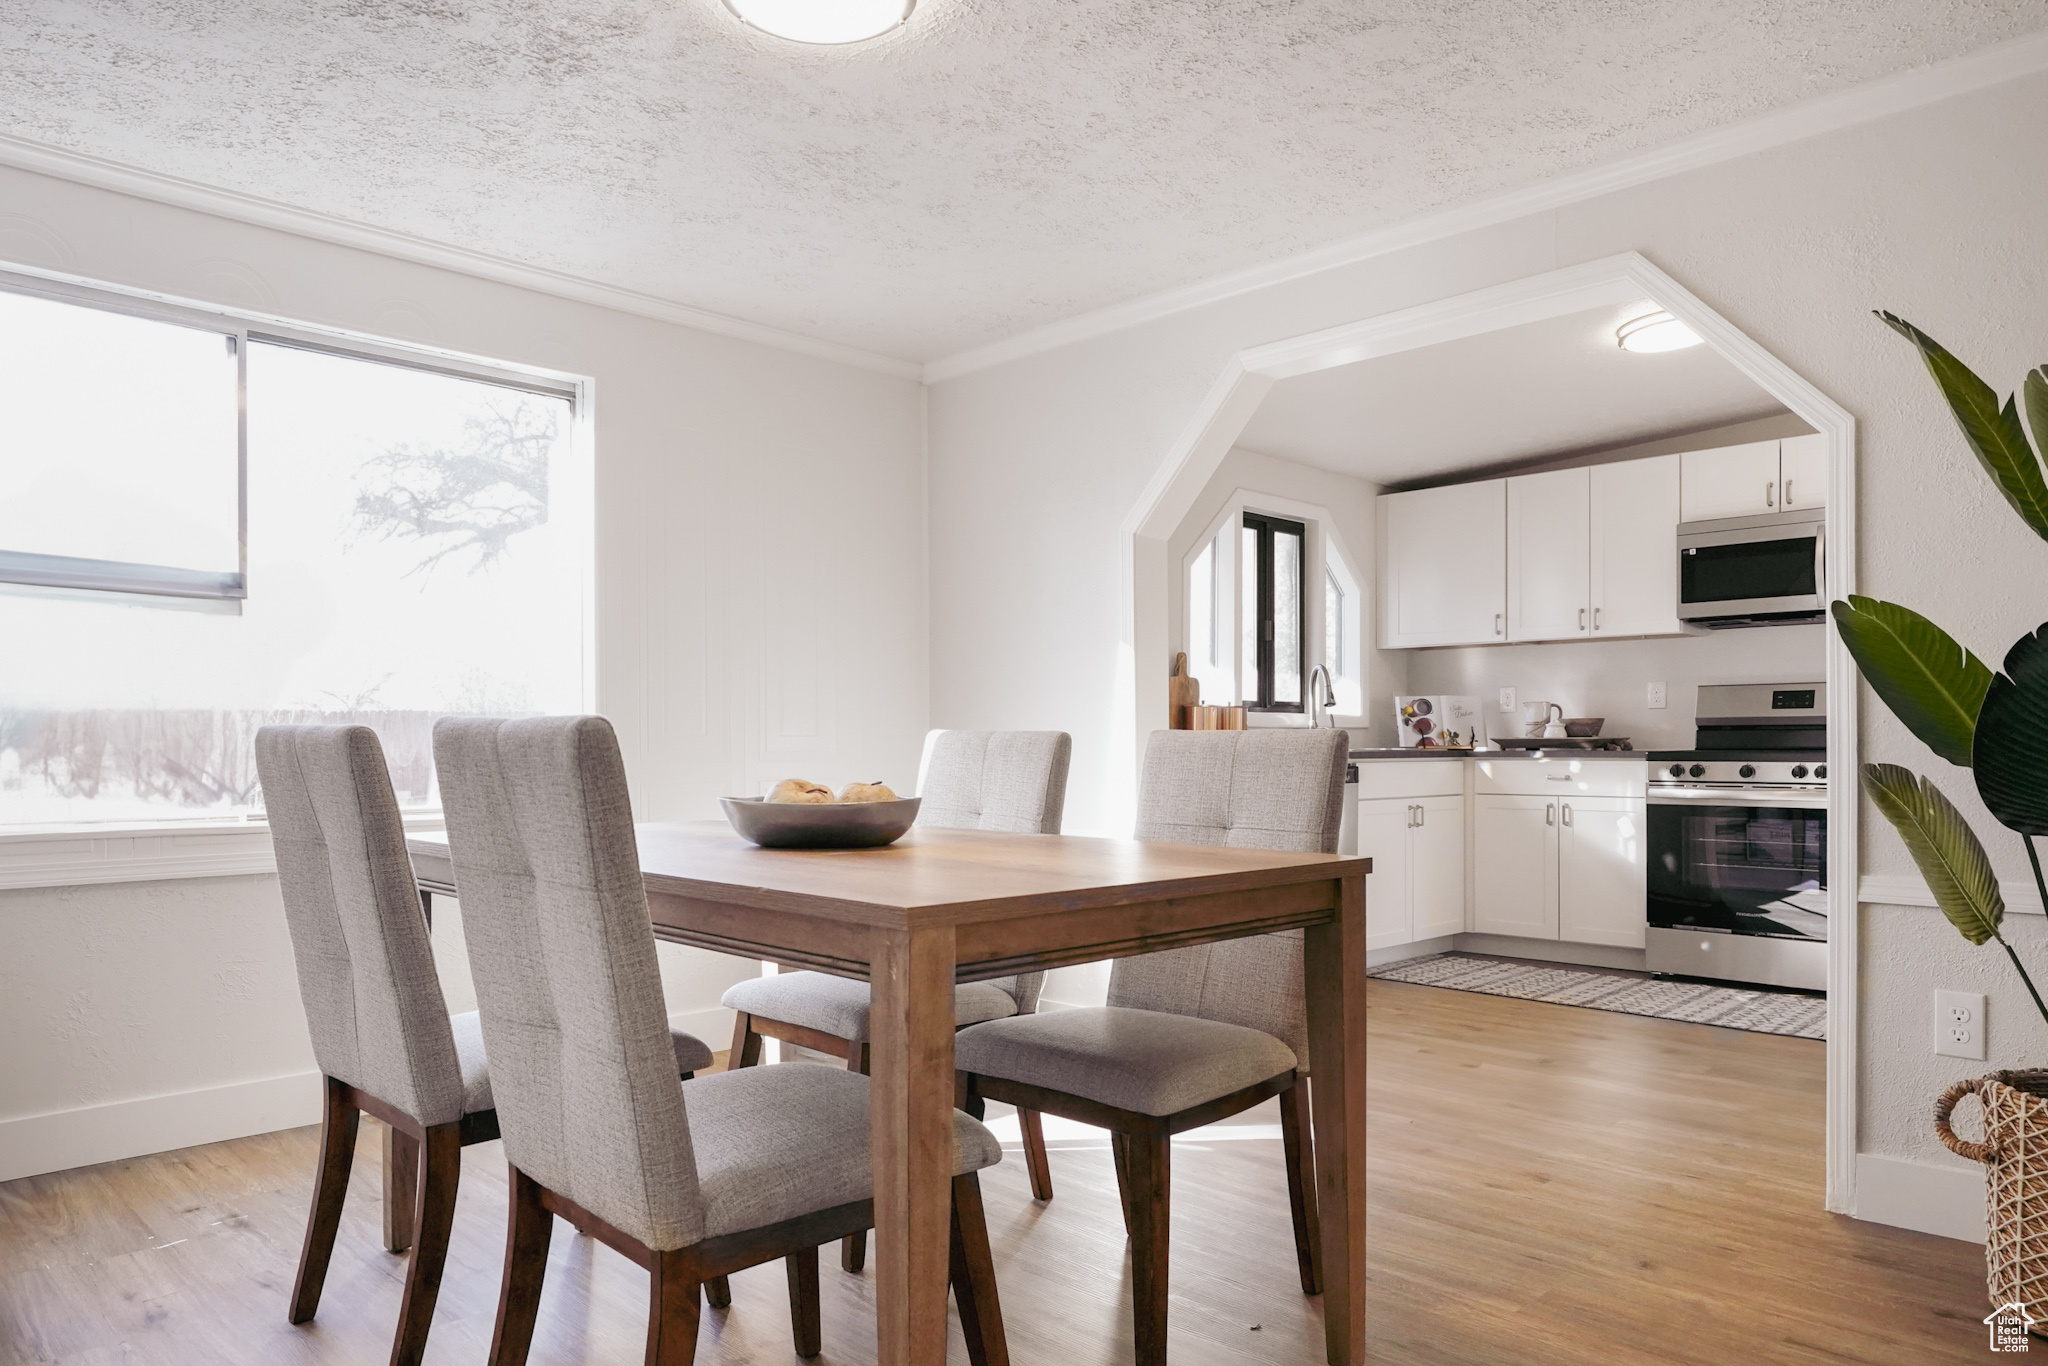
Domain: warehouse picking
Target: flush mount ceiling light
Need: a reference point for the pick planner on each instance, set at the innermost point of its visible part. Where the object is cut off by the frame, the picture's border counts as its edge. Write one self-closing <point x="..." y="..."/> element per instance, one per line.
<point x="1655" y="332"/>
<point x="823" y="21"/>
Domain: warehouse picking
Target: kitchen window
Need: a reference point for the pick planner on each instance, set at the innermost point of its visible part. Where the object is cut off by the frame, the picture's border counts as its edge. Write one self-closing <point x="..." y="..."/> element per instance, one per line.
<point x="1273" y="560"/>
<point x="418" y="541"/>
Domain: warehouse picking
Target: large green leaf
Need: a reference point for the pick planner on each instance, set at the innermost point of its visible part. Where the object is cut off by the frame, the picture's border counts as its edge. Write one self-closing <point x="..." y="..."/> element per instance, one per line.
<point x="1957" y="869"/>
<point x="2011" y="752"/>
<point x="1929" y="681"/>
<point x="1994" y="432"/>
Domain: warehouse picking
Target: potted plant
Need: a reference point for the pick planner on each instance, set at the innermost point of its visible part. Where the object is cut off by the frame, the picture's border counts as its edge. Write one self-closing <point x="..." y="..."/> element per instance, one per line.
<point x="1996" y="726"/>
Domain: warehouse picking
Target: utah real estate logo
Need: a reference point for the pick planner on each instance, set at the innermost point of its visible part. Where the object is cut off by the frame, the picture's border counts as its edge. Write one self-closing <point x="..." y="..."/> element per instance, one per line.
<point x="2009" y="1324"/>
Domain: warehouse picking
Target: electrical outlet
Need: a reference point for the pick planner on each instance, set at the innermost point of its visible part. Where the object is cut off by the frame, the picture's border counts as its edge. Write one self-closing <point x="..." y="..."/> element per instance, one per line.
<point x="1507" y="699"/>
<point x="1656" y="696"/>
<point x="1959" y="1024"/>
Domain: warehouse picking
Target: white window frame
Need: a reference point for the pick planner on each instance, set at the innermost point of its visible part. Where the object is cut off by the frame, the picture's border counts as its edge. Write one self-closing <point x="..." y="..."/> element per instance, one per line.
<point x="1327" y="552"/>
<point x="151" y="851"/>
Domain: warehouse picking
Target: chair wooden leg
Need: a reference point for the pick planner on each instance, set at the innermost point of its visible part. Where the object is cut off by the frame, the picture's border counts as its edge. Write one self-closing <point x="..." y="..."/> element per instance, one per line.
<point x="1148" y="1158"/>
<point x="338" y="1121"/>
<point x="401" y="1187"/>
<point x="1301" y="1186"/>
<point x="528" y="1227"/>
<point x="746" y="1044"/>
<point x="672" y="1310"/>
<point x="974" y="1277"/>
<point x="803" y="1301"/>
<point x="853" y="1249"/>
<point x="1034" y="1154"/>
<point x="718" y="1292"/>
<point x="433" y="1217"/>
<point x="1119" y="1150"/>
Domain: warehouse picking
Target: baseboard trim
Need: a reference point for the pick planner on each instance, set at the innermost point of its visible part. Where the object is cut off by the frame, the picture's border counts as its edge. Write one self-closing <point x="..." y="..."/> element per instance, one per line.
<point x="1923" y="1196"/>
<point x="1401" y="953"/>
<point x="59" y="1140"/>
<point x="1553" y="951"/>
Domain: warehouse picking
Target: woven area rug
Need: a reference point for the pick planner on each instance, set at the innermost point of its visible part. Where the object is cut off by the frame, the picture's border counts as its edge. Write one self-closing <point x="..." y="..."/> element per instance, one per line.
<point x="1761" y="1012"/>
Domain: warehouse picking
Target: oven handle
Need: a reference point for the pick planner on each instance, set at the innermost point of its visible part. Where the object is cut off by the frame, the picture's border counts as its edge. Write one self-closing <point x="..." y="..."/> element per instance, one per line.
<point x="1804" y="798"/>
<point x="1820" y="560"/>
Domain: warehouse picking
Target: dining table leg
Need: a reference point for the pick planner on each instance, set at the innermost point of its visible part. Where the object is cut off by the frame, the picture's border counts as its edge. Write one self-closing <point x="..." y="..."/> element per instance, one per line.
<point x="1334" y="962"/>
<point x="911" y="1123"/>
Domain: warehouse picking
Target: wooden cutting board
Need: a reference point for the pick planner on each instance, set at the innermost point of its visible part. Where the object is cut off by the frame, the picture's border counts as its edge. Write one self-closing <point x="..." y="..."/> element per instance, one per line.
<point x="1182" y="692"/>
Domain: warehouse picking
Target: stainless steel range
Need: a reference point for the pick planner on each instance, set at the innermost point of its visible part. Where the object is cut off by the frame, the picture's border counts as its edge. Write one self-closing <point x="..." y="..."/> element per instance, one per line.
<point x="1738" y="839"/>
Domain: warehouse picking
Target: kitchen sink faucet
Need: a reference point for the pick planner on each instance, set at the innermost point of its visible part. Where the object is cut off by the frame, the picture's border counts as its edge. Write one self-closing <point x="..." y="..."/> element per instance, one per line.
<point x="1325" y="696"/>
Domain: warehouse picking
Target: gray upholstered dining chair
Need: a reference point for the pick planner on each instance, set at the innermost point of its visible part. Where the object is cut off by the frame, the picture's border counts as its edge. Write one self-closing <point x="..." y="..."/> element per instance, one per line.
<point x="382" y="1035"/>
<point x="691" y="1183"/>
<point x="1190" y="1036"/>
<point x="1009" y="780"/>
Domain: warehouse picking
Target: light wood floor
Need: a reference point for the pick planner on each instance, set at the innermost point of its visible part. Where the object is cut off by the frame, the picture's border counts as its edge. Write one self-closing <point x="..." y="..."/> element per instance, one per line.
<point x="1548" y="1185"/>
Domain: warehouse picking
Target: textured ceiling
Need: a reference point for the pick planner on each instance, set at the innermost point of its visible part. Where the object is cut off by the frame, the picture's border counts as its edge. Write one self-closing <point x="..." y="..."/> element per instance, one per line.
<point x="991" y="166"/>
<point x="1520" y="393"/>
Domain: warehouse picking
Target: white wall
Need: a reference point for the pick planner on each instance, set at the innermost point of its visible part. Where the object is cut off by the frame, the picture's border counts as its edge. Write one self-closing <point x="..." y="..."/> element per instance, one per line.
<point x="1934" y="214"/>
<point x="761" y="613"/>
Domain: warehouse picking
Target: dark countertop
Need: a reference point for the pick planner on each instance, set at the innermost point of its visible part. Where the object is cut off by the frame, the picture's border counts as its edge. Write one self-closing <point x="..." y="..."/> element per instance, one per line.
<point x="1636" y="754"/>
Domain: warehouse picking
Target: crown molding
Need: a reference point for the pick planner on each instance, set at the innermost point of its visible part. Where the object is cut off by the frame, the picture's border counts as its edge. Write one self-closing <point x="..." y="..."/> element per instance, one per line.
<point x="101" y="173"/>
<point x="1827" y="113"/>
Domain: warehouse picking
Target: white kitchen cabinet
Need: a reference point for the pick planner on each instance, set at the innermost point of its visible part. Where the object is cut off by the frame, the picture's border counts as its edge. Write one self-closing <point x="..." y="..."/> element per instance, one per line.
<point x="1729" y="481"/>
<point x="1549" y="551"/>
<point x="1600" y="872"/>
<point x="1514" y="865"/>
<point x="1417" y="887"/>
<point x="1443" y="567"/>
<point x="1634" y="534"/>
<point x="1803" y="471"/>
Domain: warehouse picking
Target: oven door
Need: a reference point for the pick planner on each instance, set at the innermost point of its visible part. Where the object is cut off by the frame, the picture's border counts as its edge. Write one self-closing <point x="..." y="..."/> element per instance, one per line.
<point x="1747" y="567"/>
<point x="1754" y="862"/>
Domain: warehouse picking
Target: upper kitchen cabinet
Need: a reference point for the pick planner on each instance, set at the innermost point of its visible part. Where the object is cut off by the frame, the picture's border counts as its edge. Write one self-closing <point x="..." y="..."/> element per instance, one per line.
<point x="1443" y="572"/>
<point x="1635" y="547"/>
<point x="1756" y="478"/>
<point x="1803" y="471"/>
<point x="1549" y="551"/>
<point x="1731" y="481"/>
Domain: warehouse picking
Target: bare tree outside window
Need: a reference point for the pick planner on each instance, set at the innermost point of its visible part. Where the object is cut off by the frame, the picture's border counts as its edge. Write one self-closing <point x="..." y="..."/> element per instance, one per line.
<point x="474" y="496"/>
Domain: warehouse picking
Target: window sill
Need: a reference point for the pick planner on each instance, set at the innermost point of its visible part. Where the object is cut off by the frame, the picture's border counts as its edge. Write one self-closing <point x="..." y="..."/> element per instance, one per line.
<point x="153" y="851"/>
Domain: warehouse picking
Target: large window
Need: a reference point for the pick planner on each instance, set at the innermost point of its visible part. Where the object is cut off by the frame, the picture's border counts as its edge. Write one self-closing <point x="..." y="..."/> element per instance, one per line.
<point x="1273" y="561"/>
<point x="417" y="545"/>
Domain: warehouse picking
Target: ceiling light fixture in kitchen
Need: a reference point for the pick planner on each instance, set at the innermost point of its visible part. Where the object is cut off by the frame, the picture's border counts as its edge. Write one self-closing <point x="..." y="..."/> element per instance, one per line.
<point x="1656" y="332"/>
<point x="823" y="21"/>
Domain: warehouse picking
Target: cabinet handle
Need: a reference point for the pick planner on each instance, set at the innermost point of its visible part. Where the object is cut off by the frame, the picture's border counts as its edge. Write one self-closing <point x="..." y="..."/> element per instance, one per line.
<point x="1582" y="618"/>
<point x="1770" y="493"/>
<point x="1567" y="813"/>
<point x="1497" y="620"/>
<point x="1788" y="493"/>
<point x="1550" y="813"/>
<point x="1411" y="815"/>
<point x="1596" y="618"/>
<point x="1422" y="815"/>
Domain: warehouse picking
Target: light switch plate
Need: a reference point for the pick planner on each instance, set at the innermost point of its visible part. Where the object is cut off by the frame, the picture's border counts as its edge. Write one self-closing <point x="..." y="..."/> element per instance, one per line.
<point x="1507" y="699"/>
<point x="1656" y="696"/>
<point x="1959" y="1024"/>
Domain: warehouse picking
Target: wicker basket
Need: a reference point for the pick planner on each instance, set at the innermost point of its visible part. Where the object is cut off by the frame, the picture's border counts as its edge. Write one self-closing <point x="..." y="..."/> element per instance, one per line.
<point x="2015" y="1151"/>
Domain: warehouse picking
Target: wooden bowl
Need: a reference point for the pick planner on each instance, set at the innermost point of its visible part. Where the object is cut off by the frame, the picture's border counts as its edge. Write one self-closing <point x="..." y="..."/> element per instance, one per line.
<point x="1584" y="727"/>
<point x="838" y="825"/>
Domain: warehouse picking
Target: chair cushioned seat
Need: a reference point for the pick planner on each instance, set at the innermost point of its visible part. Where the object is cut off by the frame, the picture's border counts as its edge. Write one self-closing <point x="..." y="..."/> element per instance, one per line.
<point x="776" y="1142"/>
<point x="692" y="1055"/>
<point x="1142" y="1060"/>
<point x="839" y="1005"/>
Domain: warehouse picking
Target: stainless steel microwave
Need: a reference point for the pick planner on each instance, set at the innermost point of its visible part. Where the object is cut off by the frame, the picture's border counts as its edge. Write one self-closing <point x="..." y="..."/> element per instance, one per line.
<point x="1753" y="571"/>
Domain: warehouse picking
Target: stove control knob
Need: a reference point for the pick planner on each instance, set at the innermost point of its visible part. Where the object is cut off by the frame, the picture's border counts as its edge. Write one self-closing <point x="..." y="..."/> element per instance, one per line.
<point x="1699" y="770"/>
<point x="1747" y="770"/>
<point x="1799" y="771"/>
<point x="1820" y="771"/>
<point x="1678" y="770"/>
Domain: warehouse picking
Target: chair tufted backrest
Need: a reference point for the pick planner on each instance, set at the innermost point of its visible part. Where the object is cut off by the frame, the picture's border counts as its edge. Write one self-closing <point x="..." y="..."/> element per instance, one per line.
<point x="1009" y="780"/>
<point x="540" y="829"/>
<point x="1246" y="789"/>
<point x="366" y="964"/>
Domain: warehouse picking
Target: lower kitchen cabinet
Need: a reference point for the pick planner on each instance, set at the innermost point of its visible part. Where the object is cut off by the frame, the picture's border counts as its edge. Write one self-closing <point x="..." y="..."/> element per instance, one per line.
<point x="1417" y="887"/>
<point x="1600" y="872"/>
<point x="1514" y="866"/>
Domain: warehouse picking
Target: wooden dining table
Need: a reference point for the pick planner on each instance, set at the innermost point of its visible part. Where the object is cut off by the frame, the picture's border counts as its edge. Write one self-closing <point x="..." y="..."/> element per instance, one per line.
<point x="945" y="906"/>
